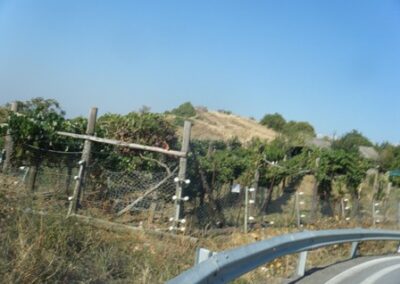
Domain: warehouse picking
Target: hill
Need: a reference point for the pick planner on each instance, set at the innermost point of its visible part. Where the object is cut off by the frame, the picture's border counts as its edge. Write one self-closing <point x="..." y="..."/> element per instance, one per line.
<point x="213" y="125"/>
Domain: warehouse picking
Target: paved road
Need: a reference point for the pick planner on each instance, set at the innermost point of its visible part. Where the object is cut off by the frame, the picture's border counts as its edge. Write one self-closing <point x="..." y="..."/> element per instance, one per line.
<point x="363" y="270"/>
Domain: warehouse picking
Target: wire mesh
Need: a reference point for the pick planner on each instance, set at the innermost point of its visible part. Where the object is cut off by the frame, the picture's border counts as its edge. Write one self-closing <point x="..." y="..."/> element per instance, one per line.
<point x="126" y="194"/>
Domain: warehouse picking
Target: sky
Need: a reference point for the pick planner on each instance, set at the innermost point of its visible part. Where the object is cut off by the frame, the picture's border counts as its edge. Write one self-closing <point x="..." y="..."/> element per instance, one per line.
<point x="335" y="64"/>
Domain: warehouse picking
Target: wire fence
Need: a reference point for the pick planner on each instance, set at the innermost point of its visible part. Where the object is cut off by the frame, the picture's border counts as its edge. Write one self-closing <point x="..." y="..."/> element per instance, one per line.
<point x="134" y="197"/>
<point x="147" y="198"/>
<point x="293" y="207"/>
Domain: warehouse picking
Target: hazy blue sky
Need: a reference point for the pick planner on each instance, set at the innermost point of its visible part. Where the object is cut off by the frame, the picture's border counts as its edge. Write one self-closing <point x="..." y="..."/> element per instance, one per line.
<point x="333" y="63"/>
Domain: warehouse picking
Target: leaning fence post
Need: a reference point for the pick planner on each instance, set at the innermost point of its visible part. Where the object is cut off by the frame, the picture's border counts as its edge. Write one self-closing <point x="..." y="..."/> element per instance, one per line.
<point x="9" y="144"/>
<point x="91" y="124"/>
<point x="74" y="199"/>
<point x="181" y="179"/>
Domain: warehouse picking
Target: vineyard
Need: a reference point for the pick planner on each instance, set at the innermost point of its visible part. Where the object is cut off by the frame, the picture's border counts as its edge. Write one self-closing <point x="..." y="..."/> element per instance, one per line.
<point x="144" y="170"/>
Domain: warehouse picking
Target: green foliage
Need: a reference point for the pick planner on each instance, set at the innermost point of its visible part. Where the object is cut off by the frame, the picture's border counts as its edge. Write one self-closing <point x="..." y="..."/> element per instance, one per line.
<point x="390" y="157"/>
<point x="36" y="128"/>
<point x="224" y="164"/>
<point x="144" y="109"/>
<point x="340" y="165"/>
<point x="276" y="150"/>
<point x="389" y="160"/>
<point x="299" y="130"/>
<point x="296" y="131"/>
<point x="274" y="121"/>
<point x="4" y="114"/>
<point x="351" y="141"/>
<point x="142" y="128"/>
<point x="34" y="133"/>
<point x="182" y="112"/>
<point x="214" y="165"/>
<point x="185" y="110"/>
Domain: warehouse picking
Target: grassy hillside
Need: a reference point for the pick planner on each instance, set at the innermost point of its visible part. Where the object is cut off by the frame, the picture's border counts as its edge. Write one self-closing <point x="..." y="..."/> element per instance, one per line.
<point x="213" y="125"/>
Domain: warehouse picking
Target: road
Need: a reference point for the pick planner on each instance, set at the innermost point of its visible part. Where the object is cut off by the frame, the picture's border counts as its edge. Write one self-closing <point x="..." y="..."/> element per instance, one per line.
<point x="363" y="270"/>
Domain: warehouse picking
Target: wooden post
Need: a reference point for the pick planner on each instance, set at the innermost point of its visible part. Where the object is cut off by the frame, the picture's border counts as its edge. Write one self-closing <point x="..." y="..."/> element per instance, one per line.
<point x="89" y="131"/>
<point x="152" y="212"/>
<point x="256" y="180"/>
<point x="91" y="124"/>
<point x="74" y="199"/>
<point x="68" y="178"/>
<point x="9" y="144"/>
<point x="315" y="197"/>
<point x="182" y="173"/>
<point x="32" y="175"/>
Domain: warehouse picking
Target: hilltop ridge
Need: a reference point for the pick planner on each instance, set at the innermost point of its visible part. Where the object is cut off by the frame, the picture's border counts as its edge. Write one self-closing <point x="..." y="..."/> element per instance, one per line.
<point x="217" y="125"/>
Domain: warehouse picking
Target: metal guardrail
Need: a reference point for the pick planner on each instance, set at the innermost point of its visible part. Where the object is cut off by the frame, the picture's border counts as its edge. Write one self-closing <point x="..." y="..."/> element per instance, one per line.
<point x="228" y="265"/>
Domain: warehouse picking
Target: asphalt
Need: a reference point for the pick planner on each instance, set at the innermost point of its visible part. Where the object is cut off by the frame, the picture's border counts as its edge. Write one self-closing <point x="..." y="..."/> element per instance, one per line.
<point x="363" y="270"/>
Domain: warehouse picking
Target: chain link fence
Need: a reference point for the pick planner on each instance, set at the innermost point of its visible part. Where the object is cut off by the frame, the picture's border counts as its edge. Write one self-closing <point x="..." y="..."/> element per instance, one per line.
<point x="130" y="197"/>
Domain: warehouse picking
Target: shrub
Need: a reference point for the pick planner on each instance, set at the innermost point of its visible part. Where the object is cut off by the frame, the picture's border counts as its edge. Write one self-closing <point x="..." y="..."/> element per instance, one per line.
<point x="184" y="110"/>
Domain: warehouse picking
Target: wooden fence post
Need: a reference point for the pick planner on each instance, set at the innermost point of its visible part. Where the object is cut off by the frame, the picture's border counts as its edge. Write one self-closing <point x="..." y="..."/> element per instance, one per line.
<point x="74" y="199"/>
<point x="89" y="131"/>
<point x="315" y="197"/>
<point x="87" y="148"/>
<point x="181" y="174"/>
<point x="32" y="175"/>
<point x="9" y="144"/>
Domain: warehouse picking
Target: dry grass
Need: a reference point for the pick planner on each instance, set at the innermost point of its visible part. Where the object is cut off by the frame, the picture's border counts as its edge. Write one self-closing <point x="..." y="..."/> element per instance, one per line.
<point x="53" y="249"/>
<point x="213" y="125"/>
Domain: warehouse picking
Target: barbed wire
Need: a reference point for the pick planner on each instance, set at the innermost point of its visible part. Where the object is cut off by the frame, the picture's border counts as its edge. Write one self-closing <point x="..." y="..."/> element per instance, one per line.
<point x="52" y="151"/>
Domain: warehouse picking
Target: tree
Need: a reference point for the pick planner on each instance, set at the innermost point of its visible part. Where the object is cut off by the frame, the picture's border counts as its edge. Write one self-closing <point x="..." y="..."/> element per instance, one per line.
<point x="34" y="134"/>
<point x="184" y="110"/>
<point x="274" y="121"/>
<point x="36" y="127"/>
<point x="299" y="127"/>
<point x="351" y="141"/>
<point x="389" y="160"/>
<point x="144" y="109"/>
<point x="389" y="156"/>
<point x="4" y="114"/>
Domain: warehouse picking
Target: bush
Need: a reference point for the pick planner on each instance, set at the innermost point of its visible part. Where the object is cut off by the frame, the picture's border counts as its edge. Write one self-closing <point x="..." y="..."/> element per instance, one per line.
<point x="274" y="121"/>
<point x="299" y="128"/>
<point x="351" y="141"/>
<point x="185" y="110"/>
